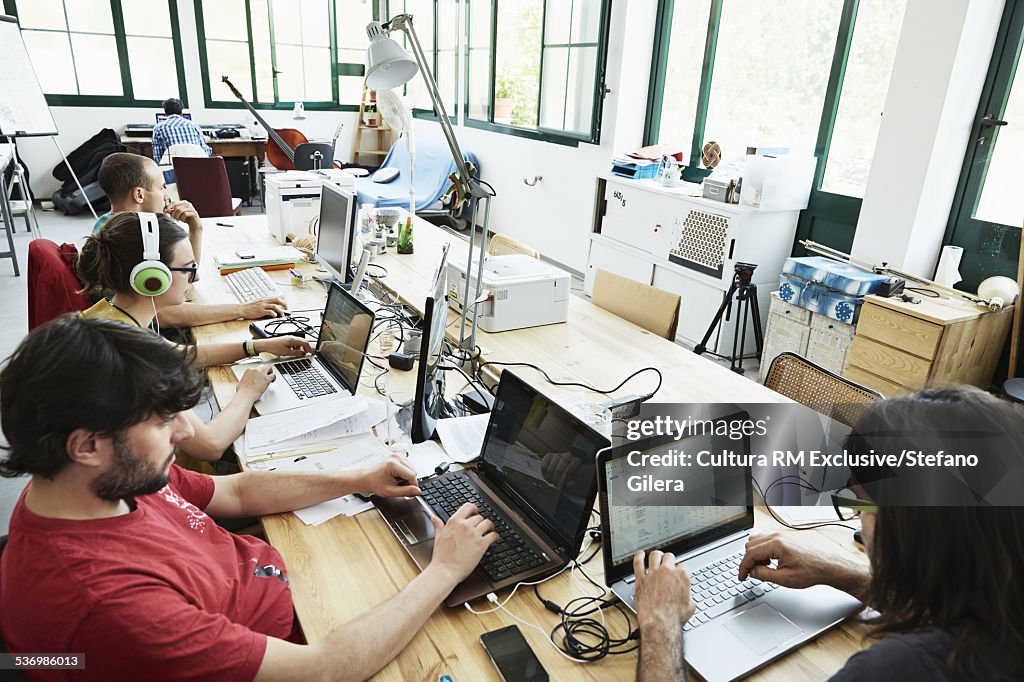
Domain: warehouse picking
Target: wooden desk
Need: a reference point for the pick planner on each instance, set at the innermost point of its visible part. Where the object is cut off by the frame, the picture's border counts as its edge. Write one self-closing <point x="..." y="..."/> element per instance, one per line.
<point x="236" y="147"/>
<point x="349" y="565"/>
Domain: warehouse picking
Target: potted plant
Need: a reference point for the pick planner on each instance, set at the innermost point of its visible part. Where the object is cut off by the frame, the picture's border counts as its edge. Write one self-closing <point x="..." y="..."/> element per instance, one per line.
<point x="504" y="99"/>
<point x="370" y="114"/>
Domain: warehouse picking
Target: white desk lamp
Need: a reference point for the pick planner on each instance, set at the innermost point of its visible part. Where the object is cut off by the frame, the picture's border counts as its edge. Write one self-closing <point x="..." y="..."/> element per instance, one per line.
<point x="388" y="65"/>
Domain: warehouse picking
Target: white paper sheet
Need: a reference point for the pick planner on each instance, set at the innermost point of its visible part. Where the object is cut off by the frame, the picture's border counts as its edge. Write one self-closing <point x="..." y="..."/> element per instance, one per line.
<point x="426" y="456"/>
<point x="268" y="429"/>
<point x="463" y="437"/>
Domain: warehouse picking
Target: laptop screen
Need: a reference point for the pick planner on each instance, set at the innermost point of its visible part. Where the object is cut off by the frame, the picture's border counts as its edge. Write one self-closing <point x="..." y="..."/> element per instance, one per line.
<point x="344" y="335"/>
<point x="543" y="457"/>
<point x="717" y="500"/>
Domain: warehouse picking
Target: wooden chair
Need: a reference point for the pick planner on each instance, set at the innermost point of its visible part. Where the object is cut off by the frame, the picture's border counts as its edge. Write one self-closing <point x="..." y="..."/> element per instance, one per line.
<point x="503" y="245"/>
<point x="204" y="182"/>
<point x="825" y="392"/>
<point x="654" y="309"/>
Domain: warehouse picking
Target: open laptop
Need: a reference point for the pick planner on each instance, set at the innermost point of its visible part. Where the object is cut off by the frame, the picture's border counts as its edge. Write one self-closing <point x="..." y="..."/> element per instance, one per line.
<point x="738" y="627"/>
<point x="334" y="370"/>
<point x="535" y="481"/>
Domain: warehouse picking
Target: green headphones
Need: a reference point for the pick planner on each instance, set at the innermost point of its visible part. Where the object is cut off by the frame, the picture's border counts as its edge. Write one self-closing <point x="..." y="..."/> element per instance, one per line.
<point x="150" y="277"/>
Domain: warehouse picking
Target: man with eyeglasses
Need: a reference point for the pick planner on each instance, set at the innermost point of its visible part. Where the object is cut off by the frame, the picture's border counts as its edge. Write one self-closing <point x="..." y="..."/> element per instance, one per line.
<point x="135" y="184"/>
<point x="112" y="552"/>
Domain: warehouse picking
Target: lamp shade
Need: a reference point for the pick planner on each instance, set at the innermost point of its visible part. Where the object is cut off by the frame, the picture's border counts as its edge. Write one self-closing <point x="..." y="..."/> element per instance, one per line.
<point x="388" y="65"/>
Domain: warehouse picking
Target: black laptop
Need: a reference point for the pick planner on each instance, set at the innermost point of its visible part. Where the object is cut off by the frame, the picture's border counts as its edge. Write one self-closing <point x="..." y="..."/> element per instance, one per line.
<point x="536" y="481"/>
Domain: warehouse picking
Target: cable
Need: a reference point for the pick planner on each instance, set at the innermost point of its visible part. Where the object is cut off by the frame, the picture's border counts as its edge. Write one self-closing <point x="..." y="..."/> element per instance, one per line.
<point x="513" y="593"/>
<point x="801" y="483"/>
<point x="924" y="292"/>
<point x="574" y="383"/>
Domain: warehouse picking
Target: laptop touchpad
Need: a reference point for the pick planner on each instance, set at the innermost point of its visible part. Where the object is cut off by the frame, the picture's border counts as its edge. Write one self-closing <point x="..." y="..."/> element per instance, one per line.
<point x="762" y="628"/>
<point x="415" y="528"/>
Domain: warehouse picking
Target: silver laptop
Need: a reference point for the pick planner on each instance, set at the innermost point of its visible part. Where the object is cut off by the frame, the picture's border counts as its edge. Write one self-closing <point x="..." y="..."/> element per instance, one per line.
<point x="738" y="627"/>
<point x="334" y="370"/>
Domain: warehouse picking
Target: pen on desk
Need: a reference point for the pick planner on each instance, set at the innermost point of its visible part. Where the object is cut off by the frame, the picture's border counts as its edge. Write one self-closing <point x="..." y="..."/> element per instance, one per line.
<point x="282" y="454"/>
<point x="225" y="224"/>
<point x="299" y="458"/>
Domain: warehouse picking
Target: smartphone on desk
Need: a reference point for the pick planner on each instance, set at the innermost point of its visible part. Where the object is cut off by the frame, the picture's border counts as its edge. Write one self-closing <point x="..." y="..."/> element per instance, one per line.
<point x="245" y="254"/>
<point x="512" y="655"/>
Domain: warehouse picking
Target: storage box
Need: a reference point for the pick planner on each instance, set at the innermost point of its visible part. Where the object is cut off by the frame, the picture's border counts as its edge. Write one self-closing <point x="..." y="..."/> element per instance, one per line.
<point x="636" y="171"/>
<point x="832" y="274"/>
<point x="820" y="299"/>
<point x="777" y="183"/>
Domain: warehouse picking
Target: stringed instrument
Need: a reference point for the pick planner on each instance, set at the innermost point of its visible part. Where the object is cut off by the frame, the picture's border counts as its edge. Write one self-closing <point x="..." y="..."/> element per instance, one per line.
<point x="283" y="141"/>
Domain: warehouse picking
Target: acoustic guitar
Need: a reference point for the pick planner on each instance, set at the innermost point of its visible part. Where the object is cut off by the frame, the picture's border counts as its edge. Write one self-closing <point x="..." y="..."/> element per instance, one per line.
<point x="283" y="141"/>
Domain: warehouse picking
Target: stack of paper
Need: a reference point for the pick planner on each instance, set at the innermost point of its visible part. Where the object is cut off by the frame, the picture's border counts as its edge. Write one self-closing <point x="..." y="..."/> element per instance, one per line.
<point x="270" y="258"/>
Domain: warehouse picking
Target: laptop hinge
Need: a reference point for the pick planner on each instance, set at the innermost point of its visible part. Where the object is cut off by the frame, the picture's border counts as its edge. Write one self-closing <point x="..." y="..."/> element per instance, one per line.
<point x="704" y="549"/>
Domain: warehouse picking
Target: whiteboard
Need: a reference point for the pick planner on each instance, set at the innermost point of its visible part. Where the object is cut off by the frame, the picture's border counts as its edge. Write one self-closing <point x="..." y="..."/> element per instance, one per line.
<point x="23" y="109"/>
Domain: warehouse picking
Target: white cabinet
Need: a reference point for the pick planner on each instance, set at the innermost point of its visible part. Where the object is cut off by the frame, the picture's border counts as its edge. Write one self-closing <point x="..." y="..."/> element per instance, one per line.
<point x="818" y="338"/>
<point x="690" y="246"/>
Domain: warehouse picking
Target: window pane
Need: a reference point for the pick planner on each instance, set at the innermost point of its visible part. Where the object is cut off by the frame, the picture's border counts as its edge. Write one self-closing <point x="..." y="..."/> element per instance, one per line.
<point x="864" y="89"/>
<point x="447" y="78"/>
<point x="152" y="66"/>
<point x="448" y="26"/>
<point x="557" y="23"/>
<point x="762" y="93"/>
<point x="480" y="23"/>
<point x="1001" y="200"/>
<point x="552" y="100"/>
<point x="289" y="76"/>
<point x="479" y="80"/>
<point x="579" y="99"/>
<point x="231" y="60"/>
<point x="423" y="21"/>
<point x="586" y="20"/>
<point x="518" y="57"/>
<point x="352" y="56"/>
<point x="264" y="65"/>
<point x="94" y="56"/>
<point x="42" y="14"/>
<point x="146" y="18"/>
<point x="287" y="22"/>
<point x="316" y="26"/>
<point x="682" y="74"/>
<point x="352" y="16"/>
<point x="350" y="89"/>
<point x="51" y="58"/>
<point x="317" y="62"/>
<point x="89" y="15"/>
<point x="225" y="20"/>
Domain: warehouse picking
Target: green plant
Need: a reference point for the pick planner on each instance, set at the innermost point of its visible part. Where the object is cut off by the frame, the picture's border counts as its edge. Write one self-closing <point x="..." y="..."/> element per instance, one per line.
<point x="505" y="88"/>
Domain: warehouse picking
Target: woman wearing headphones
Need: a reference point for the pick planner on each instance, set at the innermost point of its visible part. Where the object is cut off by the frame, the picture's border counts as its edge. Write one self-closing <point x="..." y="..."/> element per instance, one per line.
<point x="146" y="261"/>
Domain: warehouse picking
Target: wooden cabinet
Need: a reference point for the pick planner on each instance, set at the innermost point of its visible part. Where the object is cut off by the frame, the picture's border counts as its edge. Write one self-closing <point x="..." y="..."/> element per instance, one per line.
<point x="901" y="347"/>
<point x="690" y="246"/>
<point x="817" y="337"/>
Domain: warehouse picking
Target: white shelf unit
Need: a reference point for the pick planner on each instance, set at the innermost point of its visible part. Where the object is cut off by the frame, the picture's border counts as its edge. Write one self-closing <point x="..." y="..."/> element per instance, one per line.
<point x="690" y="246"/>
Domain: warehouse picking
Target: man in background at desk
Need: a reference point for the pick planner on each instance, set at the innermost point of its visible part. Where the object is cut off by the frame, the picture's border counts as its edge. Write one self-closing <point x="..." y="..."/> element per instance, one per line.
<point x="176" y="129"/>
<point x="135" y="184"/>
<point x="111" y="552"/>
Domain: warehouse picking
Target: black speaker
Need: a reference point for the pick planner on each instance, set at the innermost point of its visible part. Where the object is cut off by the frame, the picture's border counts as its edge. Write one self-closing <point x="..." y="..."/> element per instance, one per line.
<point x="239" y="177"/>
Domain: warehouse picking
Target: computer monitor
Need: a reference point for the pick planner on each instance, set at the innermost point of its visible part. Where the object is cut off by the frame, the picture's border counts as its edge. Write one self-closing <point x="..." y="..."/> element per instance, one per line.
<point x="429" y="397"/>
<point x="337" y="221"/>
<point x="160" y="117"/>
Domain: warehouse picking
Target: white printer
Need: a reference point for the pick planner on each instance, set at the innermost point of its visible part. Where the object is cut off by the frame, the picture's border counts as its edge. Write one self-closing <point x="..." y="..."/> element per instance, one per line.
<point x="520" y="292"/>
<point x="293" y="199"/>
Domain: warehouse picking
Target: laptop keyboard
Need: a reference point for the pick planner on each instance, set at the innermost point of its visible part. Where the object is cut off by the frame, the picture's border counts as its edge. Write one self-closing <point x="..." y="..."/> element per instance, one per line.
<point x="512" y="554"/>
<point x="251" y="285"/>
<point x="305" y="379"/>
<point x="715" y="589"/>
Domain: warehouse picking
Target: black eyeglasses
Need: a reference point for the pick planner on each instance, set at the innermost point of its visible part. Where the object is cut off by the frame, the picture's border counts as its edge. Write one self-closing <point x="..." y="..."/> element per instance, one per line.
<point x="191" y="269"/>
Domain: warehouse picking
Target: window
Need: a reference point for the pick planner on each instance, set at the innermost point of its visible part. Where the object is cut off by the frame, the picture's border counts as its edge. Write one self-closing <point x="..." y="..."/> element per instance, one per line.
<point x="438" y="29"/>
<point x="76" y="44"/>
<point x="547" y="76"/>
<point x="277" y="52"/>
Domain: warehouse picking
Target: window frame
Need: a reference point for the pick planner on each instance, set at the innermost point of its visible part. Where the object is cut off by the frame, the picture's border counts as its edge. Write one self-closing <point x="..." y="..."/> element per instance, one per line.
<point x="561" y="137"/>
<point x="338" y="69"/>
<point x="430" y="114"/>
<point x="127" y="98"/>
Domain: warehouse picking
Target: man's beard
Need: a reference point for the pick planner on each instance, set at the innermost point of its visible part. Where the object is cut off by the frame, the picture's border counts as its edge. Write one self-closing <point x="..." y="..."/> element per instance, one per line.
<point x="131" y="476"/>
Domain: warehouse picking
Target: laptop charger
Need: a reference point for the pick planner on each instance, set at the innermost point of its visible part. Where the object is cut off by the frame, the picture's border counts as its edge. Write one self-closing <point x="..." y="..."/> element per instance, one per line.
<point x="477" y="401"/>
<point x="402" y="361"/>
<point x="626" y="406"/>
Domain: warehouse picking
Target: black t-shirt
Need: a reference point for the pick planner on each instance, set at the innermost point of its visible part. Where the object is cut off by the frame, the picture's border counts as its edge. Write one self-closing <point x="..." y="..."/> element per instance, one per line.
<point x="921" y="657"/>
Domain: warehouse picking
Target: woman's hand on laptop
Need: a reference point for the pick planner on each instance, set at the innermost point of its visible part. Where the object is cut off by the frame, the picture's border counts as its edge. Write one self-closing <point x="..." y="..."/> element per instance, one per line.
<point x="264" y="307"/>
<point x="392" y="478"/>
<point x="799" y="565"/>
<point x="254" y="383"/>
<point x="460" y="544"/>
<point x="662" y="591"/>
<point x="283" y="345"/>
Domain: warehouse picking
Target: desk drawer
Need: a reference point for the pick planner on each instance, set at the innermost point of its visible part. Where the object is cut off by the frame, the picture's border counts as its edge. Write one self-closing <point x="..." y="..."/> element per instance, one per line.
<point x="895" y="329"/>
<point x="889" y="363"/>
<point x="883" y="386"/>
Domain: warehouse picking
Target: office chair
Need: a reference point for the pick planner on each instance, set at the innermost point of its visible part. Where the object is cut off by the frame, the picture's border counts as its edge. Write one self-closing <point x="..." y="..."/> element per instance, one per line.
<point x="654" y="309"/>
<point x="503" y="245"/>
<point x="825" y="392"/>
<point x="53" y="287"/>
<point x="204" y="182"/>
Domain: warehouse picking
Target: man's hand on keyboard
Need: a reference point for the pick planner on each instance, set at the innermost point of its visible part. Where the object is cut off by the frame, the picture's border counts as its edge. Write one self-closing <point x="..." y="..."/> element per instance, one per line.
<point x="392" y="478"/>
<point x="264" y="307"/>
<point x="798" y="565"/>
<point x="283" y="345"/>
<point x="254" y="382"/>
<point x="460" y="544"/>
<point x="662" y="591"/>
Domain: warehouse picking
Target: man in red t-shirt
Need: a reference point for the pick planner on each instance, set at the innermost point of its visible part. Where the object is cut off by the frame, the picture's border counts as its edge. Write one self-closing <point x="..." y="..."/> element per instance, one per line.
<point x="111" y="550"/>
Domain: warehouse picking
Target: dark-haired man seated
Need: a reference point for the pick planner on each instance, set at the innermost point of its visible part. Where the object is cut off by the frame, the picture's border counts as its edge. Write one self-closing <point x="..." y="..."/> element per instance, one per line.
<point x="135" y="184"/>
<point x="112" y="552"/>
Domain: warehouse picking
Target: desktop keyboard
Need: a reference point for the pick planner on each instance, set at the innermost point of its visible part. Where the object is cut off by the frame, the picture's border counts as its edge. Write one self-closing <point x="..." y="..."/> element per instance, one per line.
<point x="305" y="379"/>
<point x="251" y="285"/>
<point x="512" y="554"/>
<point x="715" y="589"/>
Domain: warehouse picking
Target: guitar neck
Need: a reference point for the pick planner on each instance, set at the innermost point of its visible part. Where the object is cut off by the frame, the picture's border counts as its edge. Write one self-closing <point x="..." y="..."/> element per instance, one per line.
<point x="289" y="152"/>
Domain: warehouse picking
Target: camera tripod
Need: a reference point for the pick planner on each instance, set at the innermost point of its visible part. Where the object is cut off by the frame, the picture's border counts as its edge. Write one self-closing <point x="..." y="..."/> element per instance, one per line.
<point x="745" y="293"/>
